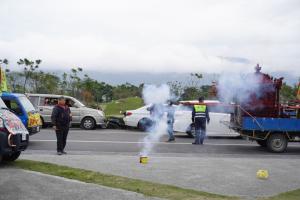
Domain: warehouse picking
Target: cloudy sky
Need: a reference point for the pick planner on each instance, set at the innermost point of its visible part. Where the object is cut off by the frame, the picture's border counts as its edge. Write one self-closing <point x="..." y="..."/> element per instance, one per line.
<point x="153" y="36"/>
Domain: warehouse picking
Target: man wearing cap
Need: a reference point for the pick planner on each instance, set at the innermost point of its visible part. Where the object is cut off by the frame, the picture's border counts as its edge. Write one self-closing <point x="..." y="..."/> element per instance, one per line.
<point x="200" y="116"/>
<point x="61" y="118"/>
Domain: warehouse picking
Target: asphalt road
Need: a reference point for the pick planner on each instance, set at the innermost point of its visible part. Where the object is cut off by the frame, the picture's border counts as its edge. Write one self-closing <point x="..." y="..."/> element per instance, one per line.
<point x="131" y="142"/>
<point x="228" y="165"/>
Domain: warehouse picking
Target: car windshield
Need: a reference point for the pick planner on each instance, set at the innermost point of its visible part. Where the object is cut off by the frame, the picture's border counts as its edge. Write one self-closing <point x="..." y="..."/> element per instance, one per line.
<point x="26" y="104"/>
<point x="2" y="104"/>
<point x="78" y="103"/>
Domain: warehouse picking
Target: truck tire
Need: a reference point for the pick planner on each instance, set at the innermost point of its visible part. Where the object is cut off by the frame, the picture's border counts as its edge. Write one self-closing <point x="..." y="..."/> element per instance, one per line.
<point x="11" y="157"/>
<point x="262" y="143"/>
<point x="277" y="143"/>
<point x="88" y="123"/>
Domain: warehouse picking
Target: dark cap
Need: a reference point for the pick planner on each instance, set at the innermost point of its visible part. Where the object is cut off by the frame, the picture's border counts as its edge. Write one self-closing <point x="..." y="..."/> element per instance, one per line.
<point x="201" y="98"/>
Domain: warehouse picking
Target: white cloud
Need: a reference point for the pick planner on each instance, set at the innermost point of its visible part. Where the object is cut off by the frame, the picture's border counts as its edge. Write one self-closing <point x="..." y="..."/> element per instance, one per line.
<point x="153" y="36"/>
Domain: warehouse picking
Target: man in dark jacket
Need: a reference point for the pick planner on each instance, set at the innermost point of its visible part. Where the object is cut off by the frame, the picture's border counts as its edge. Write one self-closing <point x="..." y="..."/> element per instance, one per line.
<point x="61" y="118"/>
<point x="200" y="116"/>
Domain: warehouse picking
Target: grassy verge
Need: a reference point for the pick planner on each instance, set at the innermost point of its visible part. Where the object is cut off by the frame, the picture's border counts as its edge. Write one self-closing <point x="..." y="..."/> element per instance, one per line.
<point x="291" y="195"/>
<point x="144" y="187"/>
<point x="113" y="108"/>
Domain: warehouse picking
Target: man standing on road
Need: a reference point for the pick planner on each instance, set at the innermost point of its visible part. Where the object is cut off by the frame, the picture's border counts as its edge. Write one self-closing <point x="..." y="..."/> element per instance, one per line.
<point x="200" y="116"/>
<point x="61" y="118"/>
<point x="170" y="120"/>
<point x="156" y="114"/>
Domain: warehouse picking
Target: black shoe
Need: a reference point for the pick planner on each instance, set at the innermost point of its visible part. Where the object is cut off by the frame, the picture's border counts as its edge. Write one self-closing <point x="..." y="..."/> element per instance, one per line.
<point x="59" y="153"/>
<point x="64" y="152"/>
<point x="171" y="140"/>
<point x="195" y="143"/>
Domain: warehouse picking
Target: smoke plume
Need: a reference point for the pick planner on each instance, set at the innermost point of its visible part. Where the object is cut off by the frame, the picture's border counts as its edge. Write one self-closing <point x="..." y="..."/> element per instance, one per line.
<point x="156" y="97"/>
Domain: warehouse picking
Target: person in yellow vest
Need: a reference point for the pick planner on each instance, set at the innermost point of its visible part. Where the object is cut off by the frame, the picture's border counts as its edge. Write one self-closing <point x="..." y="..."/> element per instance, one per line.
<point x="200" y="116"/>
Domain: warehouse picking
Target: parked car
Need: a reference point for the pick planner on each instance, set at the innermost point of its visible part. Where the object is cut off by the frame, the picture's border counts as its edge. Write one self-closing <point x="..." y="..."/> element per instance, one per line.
<point x="14" y="136"/>
<point x="87" y="118"/>
<point x="23" y="108"/>
<point x="140" y="118"/>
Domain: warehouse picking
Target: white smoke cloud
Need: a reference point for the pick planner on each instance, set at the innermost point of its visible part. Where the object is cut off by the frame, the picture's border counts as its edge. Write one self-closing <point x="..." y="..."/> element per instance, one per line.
<point x="155" y="96"/>
<point x="153" y="36"/>
<point x="238" y="87"/>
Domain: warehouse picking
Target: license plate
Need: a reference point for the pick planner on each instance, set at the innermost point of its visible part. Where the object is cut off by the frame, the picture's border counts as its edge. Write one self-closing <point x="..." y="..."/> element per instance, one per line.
<point x="24" y="136"/>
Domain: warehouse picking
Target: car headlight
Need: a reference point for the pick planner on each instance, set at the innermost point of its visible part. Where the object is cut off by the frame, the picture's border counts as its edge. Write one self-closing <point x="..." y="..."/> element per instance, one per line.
<point x="100" y="113"/>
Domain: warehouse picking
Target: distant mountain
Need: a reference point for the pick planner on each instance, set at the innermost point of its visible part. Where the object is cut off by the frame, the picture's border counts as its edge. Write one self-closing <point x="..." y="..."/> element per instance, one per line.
<point x="159" y="78"/>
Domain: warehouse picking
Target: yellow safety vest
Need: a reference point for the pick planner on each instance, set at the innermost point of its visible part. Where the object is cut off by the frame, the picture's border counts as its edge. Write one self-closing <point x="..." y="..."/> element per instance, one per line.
<point x="200" y="108"/>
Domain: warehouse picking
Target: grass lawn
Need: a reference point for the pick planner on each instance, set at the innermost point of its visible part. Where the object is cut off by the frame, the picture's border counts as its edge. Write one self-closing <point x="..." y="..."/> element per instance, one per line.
<point x="144" y="187"/>
<point x="113" y="108"/>
<point x="291" y="195"/>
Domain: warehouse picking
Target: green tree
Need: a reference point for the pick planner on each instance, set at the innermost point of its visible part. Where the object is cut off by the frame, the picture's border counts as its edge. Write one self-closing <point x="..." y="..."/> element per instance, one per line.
<point x="190" y="93"/>
<point x="75" y="81"/>
<point x="126" y="90"/>
<point x="47" y="83"/>
<point x="288" y="92"/>
<point x="29" y="67"/>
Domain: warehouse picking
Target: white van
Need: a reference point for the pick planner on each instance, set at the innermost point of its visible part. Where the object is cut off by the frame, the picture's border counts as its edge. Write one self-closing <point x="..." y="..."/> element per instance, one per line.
<point x="87" y="118"/>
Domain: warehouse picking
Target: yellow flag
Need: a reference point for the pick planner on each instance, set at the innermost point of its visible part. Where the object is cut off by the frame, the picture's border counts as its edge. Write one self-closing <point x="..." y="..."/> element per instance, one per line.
<point x="3" y="83"/>
<point x="298" y="93"/>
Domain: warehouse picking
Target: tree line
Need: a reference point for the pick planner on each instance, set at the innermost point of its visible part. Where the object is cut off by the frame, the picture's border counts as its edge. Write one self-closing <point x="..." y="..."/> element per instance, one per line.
<point x="30" y="78"/>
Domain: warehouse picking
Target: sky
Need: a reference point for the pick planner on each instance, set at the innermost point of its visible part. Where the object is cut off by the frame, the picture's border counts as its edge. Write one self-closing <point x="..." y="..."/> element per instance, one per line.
<point x="181" y="36"/>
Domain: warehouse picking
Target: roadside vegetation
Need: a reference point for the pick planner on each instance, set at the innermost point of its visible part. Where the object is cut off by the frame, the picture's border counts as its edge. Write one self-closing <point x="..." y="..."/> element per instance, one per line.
<point x="291" y="195"/>
<point x="144" y="187"/>
<point x="114" y="107"/>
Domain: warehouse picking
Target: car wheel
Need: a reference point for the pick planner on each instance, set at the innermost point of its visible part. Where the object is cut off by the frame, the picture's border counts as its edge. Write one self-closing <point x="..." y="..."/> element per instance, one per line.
<point x="191" y="131"/>
<point x="145" y="124"/>
<point x="262" y="143"/>
<point x="12" y="157"/>
<point x="88" y="123"/>
<point x="44" y="125"/>
<point x="277" y="143"/>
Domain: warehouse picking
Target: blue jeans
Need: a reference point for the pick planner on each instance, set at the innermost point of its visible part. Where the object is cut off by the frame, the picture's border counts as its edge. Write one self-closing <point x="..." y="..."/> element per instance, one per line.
<point x="199" y="136"/>
<point x="170" y="131"/>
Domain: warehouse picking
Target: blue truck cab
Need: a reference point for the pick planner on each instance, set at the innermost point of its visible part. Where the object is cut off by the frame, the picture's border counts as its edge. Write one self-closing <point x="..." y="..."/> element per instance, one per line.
<point x="20" y="105"/>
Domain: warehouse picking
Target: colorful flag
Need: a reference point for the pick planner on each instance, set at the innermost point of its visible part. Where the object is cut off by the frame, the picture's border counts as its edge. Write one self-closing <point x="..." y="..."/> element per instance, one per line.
<point x="298" y="92"/>
<point x="3" y="84"/>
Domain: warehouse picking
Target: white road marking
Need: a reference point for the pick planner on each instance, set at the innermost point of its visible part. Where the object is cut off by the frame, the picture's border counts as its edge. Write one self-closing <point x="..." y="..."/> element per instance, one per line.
<point x="128" y="142"/>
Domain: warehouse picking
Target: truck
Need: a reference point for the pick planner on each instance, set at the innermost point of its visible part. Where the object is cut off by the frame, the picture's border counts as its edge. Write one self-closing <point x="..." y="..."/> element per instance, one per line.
<point x="20" y="105"/>
<point x="14" y="137"/>
<point x="264" y="119"/>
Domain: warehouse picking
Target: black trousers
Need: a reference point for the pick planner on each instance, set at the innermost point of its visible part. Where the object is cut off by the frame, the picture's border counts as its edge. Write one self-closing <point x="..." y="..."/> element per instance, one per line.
<point x="200" y="130"/>
<point x="61" y="136"/>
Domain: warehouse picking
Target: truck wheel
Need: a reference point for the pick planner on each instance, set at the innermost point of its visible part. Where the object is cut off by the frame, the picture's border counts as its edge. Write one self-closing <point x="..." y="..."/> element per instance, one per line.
<point x="88" y="123"/>
<point x="277" y="143"/>
<point x="12" y="157"/>
<point x="262" y="143"/>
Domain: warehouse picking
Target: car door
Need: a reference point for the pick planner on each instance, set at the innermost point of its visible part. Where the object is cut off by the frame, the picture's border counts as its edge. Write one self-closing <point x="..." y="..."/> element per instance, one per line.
<point x="75" y="111"/>
<point x="183" y="118"/>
